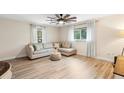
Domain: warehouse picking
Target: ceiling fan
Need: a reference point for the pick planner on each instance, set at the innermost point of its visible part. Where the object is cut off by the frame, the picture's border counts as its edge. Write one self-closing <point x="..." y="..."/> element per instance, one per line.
<point x="61" y="19"/>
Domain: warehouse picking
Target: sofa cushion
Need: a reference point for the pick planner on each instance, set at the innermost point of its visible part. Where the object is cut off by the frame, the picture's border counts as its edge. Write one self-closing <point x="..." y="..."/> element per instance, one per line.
<point x="38" y="46"/>
<point x="41" y="51"/>
<point x="50" y="49"/>
<point x="48" y="45"/>
<point x="66" y="45"/>
<point x="66" y="49"/>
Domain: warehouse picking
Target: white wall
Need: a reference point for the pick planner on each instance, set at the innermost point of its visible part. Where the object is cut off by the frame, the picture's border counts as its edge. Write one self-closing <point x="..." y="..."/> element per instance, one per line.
<point x="52" y="34"/>
<point x="81" y="48"/>
<point x="15" y="35"/>
<point x="109" y="43"/>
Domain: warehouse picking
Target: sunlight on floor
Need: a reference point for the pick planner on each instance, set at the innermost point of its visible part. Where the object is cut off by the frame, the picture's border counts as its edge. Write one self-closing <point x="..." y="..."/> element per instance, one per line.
<point x="118" y="77"/>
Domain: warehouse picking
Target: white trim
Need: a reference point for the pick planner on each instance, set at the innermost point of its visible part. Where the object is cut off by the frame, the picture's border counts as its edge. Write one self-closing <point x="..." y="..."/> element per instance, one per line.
<point x="11" y="57"/>
<point x="7" y="58"/>
<point x="82" y="54"/>
<point x="107" y="59"/>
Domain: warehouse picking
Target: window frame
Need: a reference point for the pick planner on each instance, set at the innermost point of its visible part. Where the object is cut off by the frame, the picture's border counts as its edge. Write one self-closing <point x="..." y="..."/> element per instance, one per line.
<point x="39" y="29"/>
<point x="80" y="34"/>
<point x="39" y="38"/>
<point x="34" y="31"/>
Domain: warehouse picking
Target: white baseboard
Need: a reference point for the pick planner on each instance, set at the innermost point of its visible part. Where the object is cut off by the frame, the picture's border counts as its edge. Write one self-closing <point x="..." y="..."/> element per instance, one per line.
<point x="81" y="54"/>
<point x="11" y="57"/>
<point x="7" y="58"/>
<point x="102" y="58"/>
<point x="107" y="59"/>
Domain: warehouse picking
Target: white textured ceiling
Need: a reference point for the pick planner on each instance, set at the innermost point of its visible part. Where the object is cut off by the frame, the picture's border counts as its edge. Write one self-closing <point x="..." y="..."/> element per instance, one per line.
<point x="41" y="18"/>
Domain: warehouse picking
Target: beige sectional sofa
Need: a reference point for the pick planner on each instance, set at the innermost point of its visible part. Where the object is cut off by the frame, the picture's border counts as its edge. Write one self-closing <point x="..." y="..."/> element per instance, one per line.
<point x="44" y="49"/>
<point x="67" y="49"/>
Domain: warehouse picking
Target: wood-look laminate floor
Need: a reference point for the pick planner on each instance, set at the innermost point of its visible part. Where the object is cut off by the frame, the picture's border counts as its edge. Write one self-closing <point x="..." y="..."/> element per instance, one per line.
<point x="74" y="67"/>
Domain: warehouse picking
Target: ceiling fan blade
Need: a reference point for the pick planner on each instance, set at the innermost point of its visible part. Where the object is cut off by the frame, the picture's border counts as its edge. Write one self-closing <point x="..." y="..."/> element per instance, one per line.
<point x="48" y="20"/>
<point x="72" y="18"/>
<point x="66" y="16"/>
<point x="57" y="15"/>
<point x="71" y="21"/>
<point x="51" y="20"/>
<point x="51" y="17"/>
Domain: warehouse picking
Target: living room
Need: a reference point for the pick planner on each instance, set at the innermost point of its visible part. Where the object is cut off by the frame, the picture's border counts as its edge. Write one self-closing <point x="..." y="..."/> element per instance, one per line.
<point x="95" y="35"/>
<point x="65" y="46"/>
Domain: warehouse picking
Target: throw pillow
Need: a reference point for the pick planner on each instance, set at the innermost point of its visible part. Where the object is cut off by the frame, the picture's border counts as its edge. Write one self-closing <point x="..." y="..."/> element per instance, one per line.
<point x="38" y="46"/>
<point x="66" y="45"/>
<point x="57" y="45"/>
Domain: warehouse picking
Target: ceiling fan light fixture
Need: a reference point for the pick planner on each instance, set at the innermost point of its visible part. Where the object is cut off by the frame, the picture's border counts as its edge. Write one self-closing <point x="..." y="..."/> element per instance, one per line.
<point x="61" y="22"/>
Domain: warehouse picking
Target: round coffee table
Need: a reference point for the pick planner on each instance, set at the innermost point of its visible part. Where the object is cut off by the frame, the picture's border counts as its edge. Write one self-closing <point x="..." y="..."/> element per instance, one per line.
<point x="55" y="56"/>
<point x="5" y="70"/>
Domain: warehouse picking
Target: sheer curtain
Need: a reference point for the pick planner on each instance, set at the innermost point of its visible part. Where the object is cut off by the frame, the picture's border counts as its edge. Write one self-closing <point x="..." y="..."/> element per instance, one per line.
<point x="91" y="38"/>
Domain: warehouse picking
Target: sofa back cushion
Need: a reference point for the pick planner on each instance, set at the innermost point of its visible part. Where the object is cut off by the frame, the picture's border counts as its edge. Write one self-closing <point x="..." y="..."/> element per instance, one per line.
<point x="48" y="45"/>
<point x="57" y="45"/>
<point x="66" y="45"/>
<point x="38" y="46"/>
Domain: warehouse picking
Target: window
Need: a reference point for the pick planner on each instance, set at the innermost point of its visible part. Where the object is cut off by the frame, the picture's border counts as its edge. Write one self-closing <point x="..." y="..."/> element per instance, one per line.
<point x="39" y="36"/>
<point x="80" y="33"/>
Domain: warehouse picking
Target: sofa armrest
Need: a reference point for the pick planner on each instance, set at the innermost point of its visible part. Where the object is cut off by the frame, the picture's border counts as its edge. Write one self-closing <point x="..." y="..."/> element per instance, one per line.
<point x="30" y="50"/>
